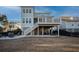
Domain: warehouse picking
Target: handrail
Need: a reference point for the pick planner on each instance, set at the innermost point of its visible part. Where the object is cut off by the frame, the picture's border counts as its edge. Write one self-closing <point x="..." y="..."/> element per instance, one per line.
<point x="30" y="29"/>
<point x="35" y="25"/>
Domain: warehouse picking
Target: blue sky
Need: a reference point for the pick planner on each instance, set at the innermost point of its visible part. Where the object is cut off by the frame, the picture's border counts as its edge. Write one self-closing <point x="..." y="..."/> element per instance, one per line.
<point x="14" y="12"/>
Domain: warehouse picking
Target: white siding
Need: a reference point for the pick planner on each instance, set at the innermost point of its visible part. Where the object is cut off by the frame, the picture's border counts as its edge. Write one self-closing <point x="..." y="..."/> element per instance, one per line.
<point x="72" y="25"/>
<point x="26" y="15"/>
<point x="62" y="25"/>
<point x="69" y="25"/>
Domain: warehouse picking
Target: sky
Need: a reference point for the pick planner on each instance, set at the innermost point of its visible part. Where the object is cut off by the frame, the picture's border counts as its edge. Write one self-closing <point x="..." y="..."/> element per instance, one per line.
<point x="13" y="13"/>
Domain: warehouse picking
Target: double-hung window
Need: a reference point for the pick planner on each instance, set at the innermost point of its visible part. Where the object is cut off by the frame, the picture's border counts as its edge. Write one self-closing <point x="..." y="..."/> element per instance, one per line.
<point x="26" y="20"/>
<point x="29" y="10"/>
<point x="26" y="10"/>
<point x="23" y="10"/>
<point x="29" y="20"/>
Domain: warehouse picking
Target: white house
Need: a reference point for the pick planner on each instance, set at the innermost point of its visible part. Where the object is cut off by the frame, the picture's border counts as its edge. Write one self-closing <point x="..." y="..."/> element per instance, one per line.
<point x="37" y="23"/>
<point x="14" y="25"/>
<point x="69" y="23"/>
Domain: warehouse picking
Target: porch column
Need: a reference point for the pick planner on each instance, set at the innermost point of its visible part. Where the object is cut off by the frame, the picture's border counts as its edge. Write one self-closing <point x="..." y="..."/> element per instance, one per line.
<point x="45" y="19"/>
<point x="38" y="19"/>
<point x="51" y="31"/>
<point x="58" y="30"/>
<point x="42" y="30"/>
<point x="42" y="19"/>
<point x="38" y="30"/>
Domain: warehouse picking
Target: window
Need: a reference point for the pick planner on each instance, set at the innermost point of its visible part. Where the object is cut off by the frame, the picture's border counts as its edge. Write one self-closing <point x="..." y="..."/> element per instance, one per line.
<point x="29" y="10"/>
<point x="35" y="20"/>
<point x="26" y="10"/>
<point x="72" y="24"/>
<point x="40" y="19"/>
<point x="26" y="20"/>
<point x="23" y="10"/>
<point x="43" y="20"/>
<point x="29" y="20"/>
<point x="23" y="20"/>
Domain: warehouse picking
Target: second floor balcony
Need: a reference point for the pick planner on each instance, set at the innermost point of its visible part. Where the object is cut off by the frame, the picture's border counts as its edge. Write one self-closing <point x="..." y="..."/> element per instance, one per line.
<point x="45" y="20"/>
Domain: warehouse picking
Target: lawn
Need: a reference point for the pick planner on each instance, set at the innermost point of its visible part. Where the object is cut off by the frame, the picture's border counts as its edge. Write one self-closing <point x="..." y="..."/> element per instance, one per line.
<point x="41" y="44"/>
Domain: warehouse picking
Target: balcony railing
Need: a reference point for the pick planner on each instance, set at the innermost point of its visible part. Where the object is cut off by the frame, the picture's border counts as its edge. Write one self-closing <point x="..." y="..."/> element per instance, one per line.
<point x="47" y="22"/>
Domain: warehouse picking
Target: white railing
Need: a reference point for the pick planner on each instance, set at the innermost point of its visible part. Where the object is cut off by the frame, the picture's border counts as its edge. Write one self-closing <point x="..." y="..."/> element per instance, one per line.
<point x="30" y="29"/>
<point x="36" y="25"/>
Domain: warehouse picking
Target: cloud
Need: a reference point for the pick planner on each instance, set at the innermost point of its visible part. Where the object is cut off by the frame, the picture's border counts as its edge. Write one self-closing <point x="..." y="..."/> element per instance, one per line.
<point x="70" y="11"/>
<point x="13" y="12"/>
<point x="44" y="9"/>
<point x="12" y="7"/>
<point x="41" y="9"/>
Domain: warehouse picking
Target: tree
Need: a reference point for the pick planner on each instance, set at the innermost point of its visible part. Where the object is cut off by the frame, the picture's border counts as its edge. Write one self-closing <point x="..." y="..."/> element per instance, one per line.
<point x="3" y="22"/>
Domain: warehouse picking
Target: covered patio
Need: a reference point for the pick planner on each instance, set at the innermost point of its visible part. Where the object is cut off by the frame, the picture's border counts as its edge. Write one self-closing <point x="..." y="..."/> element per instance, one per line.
<point x="46" y="29"/>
